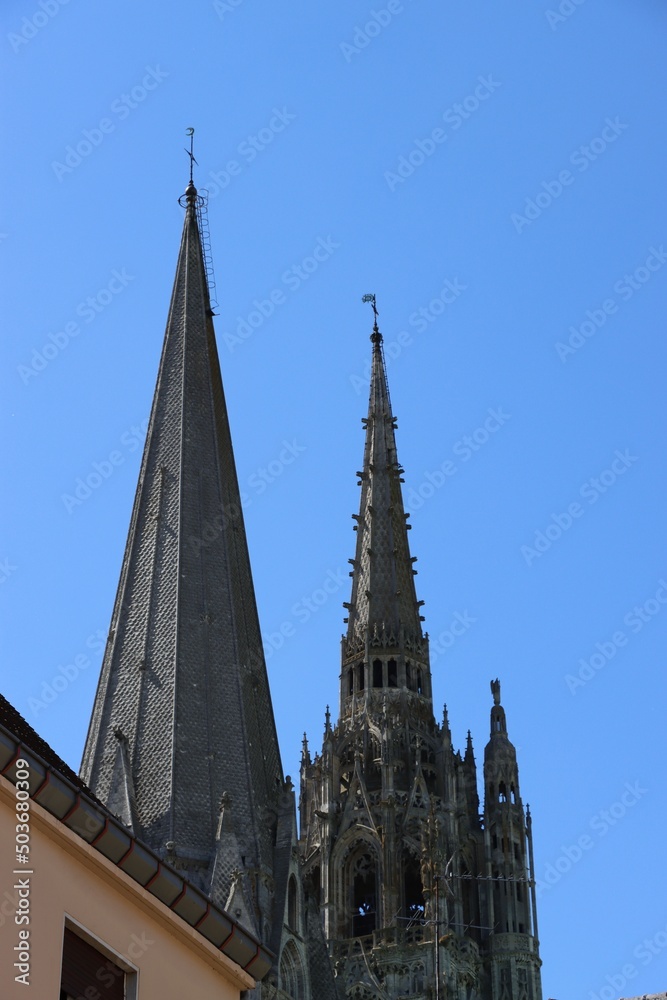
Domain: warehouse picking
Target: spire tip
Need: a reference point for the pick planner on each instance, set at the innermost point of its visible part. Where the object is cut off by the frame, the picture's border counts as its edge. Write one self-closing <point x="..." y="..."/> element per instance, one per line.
<point x="191" y="190"/>
<point x="376" y="336"/>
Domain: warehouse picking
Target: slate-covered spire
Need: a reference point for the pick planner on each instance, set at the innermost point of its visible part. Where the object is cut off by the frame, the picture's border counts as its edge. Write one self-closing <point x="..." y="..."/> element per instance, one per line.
<point x="383" y="589"/>
<point x="183" y="712"/>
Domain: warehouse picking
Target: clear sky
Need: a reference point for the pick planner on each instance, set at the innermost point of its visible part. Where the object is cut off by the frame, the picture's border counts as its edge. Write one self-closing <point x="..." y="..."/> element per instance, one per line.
<point x="495" y="173"/>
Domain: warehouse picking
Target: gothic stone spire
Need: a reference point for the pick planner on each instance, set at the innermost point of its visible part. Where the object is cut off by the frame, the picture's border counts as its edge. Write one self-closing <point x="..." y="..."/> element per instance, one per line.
<point x="183" y="712"/>
<point x="383" y="590"/>
<point x="406" y="873"/>
<point x="384" y="646"/>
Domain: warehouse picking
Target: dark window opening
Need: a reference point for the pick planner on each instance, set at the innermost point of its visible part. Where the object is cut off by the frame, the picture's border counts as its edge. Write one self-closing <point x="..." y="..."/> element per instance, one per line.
<point x="413" y="893"/>
<point x="502" y="792"/>
<point x="392" y="674"/>
<point x="377" y="673"/>
<point x="408" y="675"/>
<point x="364" y="897"/>
<point x="350" y="681"/>
<point x="360" y="676"/>
<point x="420" y="689"/>
<point x="85" y="969"/>
<point x="316" y="885"/>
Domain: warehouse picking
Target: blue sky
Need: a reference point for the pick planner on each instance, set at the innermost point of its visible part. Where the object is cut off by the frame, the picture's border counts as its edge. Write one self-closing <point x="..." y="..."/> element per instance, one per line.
<point x="495" y="173"/>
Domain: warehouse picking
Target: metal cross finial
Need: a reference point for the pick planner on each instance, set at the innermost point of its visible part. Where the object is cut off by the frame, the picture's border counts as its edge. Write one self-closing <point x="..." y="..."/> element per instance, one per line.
<point x="371" y="298"/>
<point x="191" y="132"/>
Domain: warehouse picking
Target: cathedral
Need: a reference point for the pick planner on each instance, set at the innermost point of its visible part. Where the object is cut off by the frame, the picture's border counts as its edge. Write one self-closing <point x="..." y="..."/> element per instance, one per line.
<point x="397" y="882"/>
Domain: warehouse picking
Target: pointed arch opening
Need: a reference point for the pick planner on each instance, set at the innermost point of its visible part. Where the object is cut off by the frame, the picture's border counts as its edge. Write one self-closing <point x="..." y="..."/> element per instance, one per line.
<point x="418" y="977"/>
<point x="360" y="677"/>
<point x="377" y="673"/>
<point x="392" y="673"/>
<point x="291" y="972"/>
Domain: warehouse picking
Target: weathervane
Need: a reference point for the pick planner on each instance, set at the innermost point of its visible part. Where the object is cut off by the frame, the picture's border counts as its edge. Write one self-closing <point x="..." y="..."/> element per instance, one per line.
<point x="376" y="332"/>
<point x="191" y="132"/>
<point x="371" y="298"/>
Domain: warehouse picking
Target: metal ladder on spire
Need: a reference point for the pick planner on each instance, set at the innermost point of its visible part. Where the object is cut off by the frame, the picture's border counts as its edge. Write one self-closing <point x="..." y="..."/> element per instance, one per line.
<point x="205" y="236"/>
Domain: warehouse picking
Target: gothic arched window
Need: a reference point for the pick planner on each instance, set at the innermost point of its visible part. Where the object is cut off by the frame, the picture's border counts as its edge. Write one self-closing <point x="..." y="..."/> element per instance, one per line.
<point x="377" y="673"/>
<point x="291" y="972"/>
<point x="418" y="978"/>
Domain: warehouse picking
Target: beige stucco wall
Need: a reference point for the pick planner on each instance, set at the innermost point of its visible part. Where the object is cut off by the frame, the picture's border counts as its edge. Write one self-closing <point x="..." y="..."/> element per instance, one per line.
<point x="72" y="879"/>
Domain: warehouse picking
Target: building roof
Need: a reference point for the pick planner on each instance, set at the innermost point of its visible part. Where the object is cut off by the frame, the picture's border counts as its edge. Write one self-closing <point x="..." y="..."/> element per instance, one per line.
<point x="55" y="787"/>
<point x="12" y="721"/>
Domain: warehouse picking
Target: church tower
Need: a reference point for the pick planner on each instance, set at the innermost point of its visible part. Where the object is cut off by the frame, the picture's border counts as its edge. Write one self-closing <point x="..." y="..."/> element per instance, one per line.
<point x="182" y="743"/>
<point x="421" y="894"/>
